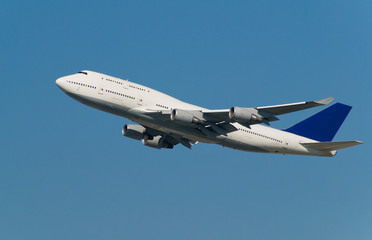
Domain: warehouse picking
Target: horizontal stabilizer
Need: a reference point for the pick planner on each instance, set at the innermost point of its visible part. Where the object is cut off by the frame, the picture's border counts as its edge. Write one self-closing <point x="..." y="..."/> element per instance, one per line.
<point x="330" y="146"/>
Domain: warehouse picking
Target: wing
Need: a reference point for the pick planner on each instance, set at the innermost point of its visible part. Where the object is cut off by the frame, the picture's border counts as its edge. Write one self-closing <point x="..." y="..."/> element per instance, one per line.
<point x="264" y="114"/>
<point x="293" y="107"/>
<point x="219" y="122"/>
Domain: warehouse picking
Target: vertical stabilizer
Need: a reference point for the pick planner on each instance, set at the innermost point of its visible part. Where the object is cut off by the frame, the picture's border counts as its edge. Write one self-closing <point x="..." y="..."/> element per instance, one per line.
<point x="324" y="125"/>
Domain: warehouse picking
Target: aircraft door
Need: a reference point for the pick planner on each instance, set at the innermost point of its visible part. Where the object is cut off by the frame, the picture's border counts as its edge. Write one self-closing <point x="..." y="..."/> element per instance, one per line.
<point x="125" y="84"/>
<point x="285" y="144"/>
<point x="100" y="90"/>
<point x="100" y="87"/>
<point x="139" y="100"/>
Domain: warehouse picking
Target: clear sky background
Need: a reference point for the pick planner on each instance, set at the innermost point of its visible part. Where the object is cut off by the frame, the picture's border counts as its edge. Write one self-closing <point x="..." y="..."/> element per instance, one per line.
<point x="66" y="172"/>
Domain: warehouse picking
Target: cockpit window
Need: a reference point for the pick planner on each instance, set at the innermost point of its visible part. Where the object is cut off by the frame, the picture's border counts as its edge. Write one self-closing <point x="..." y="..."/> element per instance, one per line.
<point x="83" y="73"/>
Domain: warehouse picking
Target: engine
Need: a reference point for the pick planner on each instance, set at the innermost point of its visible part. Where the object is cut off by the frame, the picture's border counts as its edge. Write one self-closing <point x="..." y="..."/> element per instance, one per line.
<point x="157" y="142"/>
<point x="184" y="117"/>
<point x="138" y="132"/>
<point x="133" y="131"/>
<point x="243" y="115"/>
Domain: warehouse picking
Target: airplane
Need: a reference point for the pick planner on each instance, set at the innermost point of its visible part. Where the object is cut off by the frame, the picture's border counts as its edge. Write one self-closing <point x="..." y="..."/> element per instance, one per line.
<point x="164" y="121"/>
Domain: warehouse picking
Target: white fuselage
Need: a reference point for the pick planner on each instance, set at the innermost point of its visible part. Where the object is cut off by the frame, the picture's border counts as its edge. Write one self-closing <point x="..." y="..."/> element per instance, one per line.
<point x="130" y="100"/>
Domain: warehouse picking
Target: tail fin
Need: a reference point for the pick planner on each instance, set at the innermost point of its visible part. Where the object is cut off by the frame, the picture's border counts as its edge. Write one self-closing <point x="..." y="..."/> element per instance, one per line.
<point x="324" y="125"/>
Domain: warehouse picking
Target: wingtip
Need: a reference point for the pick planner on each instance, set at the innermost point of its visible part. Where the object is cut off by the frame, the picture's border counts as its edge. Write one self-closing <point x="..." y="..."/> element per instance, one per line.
<point x="325" y="101"/>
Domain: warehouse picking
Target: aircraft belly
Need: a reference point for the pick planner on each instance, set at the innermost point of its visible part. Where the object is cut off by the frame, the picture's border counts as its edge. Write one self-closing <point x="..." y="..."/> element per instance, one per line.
<point x="100" y="104"/>
<point x="240" y="142"/>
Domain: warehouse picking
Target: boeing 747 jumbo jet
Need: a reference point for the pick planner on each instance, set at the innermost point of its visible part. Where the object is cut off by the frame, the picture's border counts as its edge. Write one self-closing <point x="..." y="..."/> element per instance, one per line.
<point x="164" y="121"/>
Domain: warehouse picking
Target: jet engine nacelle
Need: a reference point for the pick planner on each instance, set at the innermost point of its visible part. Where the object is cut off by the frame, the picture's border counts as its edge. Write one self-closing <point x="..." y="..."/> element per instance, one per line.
<point x="133" y="131"/>
<point x="157" y="142"/>
<point x="243" y="115"/>
<point x="184" y="117"/>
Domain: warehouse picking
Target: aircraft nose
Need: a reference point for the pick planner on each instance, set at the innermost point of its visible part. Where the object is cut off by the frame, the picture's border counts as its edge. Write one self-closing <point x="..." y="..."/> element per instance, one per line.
<point x="59" y="82"/>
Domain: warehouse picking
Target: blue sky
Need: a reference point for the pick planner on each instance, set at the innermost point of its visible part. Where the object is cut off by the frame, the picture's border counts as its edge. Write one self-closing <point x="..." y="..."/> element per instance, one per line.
<point x="67" y="173"/>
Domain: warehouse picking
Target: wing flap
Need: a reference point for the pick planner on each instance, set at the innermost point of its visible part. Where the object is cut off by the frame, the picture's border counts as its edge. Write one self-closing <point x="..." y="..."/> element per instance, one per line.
<point x="218" y="115"/>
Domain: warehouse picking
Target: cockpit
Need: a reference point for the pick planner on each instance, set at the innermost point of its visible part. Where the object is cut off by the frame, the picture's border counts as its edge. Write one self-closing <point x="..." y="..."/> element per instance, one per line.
<point x="83" y="72"/>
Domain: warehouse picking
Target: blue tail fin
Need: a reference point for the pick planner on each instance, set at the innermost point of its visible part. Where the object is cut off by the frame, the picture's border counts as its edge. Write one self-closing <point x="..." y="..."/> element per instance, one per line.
<point x="324" y="125"/>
